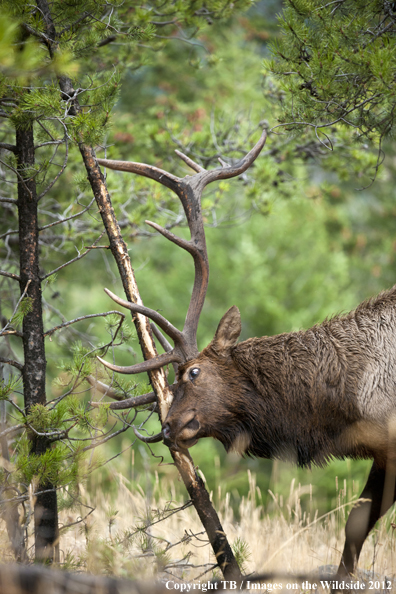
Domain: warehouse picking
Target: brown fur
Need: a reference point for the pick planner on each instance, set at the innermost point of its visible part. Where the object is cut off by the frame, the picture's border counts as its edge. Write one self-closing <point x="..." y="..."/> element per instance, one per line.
<point x="304" y="396"/>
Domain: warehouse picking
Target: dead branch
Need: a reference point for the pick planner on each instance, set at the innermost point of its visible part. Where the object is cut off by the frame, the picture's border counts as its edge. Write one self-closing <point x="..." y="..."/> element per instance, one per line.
<point x="9" y="275"/>
<point x="8" y="147"/>
<point x="35" y="579"/>
<point x="68" y="218"/>
<point x="74" y="259"/>
<point x="148" y="438"/>
<point x="81" y="318"/>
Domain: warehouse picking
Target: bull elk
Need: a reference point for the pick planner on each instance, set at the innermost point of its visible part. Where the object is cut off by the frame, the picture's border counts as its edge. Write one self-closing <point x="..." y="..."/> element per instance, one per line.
<point x="308" y="396"/>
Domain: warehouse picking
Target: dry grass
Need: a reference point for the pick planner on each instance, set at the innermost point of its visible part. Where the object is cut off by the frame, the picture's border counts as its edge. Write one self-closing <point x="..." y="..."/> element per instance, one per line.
<point x="279" y="537"/>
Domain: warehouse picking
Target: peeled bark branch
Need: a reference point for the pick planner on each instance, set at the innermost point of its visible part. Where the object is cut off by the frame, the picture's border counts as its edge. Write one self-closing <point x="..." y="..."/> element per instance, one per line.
<point x="183" y="461"/>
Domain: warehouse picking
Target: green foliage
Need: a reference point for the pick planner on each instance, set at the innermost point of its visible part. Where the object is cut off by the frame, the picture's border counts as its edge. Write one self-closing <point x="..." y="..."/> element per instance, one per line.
<point x="78" y="367"/>
<point x="18" y="61"/>
<point x="242" y="553"/>
<point x="10" y="386"/>
<point x="43" y="102"/>
<point x="336" y="64"/>
<point x="308" y="249"/>
<point x="47" y="467"/>
<point x="42" y="419"/>
<point x="24" y="308"/>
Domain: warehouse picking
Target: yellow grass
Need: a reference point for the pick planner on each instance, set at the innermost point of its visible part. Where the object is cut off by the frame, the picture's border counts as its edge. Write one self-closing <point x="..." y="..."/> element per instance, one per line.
<point x="281" y="537"/>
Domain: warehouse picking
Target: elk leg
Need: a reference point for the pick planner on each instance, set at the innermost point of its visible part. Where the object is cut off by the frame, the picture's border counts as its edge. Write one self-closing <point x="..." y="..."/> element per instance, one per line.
<point x="379" y="495"/>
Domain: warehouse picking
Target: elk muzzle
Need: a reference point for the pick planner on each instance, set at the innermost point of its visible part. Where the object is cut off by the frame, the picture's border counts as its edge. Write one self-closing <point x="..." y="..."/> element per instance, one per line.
<point x="181" y="433"/>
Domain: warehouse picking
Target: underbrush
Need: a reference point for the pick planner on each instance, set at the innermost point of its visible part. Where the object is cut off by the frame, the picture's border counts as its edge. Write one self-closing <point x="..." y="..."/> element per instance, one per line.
<point x="142" y="535"/>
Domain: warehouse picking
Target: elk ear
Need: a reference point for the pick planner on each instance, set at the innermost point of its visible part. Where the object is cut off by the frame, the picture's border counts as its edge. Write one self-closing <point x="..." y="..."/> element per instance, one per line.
<point x="227" y="332"/>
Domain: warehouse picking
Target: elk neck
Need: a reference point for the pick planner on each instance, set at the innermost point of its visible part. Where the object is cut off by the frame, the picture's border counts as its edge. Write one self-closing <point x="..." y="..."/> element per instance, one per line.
<point x="322" y="393"/>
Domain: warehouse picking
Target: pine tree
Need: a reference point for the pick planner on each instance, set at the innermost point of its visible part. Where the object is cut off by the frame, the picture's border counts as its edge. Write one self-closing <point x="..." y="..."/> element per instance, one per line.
<point x="61" y="65"/>
<point x="335" y="62"/>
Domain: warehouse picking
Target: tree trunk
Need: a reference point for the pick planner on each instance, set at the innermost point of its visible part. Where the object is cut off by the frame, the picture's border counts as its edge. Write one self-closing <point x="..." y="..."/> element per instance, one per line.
<point x="34" y="369"/>
<point x="183" y="461"/>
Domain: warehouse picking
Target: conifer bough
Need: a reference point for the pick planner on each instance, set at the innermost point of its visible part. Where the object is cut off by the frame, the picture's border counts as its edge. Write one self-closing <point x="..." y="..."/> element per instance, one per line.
<point x="336" y="62"/>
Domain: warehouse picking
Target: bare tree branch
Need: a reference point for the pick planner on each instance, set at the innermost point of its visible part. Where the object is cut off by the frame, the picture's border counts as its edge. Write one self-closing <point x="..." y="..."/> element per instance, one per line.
<point x="11" y="362"/>
<point x="74" y="259"/>
<point x="8" y="147"/>
<point x="81" y="318"/>
<point x="60" y="221"/>
<point x="9" y="200"/>
<point x="148" y="439"/>
<point x="9" y="275"/>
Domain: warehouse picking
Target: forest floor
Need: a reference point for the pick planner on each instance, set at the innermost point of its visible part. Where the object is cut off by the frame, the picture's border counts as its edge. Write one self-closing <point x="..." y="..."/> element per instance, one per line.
<point x="117" y="538"/>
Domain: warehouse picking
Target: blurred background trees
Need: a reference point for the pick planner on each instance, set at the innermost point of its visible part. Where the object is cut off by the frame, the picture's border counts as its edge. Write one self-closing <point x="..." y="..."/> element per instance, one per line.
<point x="303" y="235"/>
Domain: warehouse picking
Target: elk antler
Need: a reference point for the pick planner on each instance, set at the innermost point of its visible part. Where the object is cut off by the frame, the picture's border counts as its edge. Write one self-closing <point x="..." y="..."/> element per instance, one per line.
<point x="189" y="190"/>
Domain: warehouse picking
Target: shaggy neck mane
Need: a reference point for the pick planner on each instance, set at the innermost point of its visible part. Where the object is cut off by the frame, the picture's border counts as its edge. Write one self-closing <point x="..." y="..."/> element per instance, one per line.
<point x="307" y="389"/>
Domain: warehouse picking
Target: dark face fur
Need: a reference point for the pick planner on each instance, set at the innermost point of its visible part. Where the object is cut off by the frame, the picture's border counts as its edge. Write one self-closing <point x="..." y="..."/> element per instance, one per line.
<point x="202" y="406"/>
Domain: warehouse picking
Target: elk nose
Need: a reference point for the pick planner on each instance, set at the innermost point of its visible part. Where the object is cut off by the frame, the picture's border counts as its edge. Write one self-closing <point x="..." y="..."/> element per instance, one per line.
<point x="194" y="425"/>
<point x="166" y="431"/>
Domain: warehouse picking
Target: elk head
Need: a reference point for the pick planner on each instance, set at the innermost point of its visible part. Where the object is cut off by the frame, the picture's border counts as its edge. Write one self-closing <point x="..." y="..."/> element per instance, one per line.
<point x="202" y="403"/>
<point x="197" y="375"/>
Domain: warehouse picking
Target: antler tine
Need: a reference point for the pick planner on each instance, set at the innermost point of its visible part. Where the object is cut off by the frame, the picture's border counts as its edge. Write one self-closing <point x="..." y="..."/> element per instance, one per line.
<point x="162" y="322"/>
<point x="103" y="388"/>
<point x="227" y="172"/>
<point x="147" y="365"/>
<point x="183" y="243"/>
<point x="132" y="402"/>
<point x="198" y="168"/>
<point x="161" y="338"/>
<point x="160" y="175"/>
<point x="164" y="343"/>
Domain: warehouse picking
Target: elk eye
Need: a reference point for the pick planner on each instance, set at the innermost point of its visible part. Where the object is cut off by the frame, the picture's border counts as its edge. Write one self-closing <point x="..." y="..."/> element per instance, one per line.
<point x="193" y="373"/>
